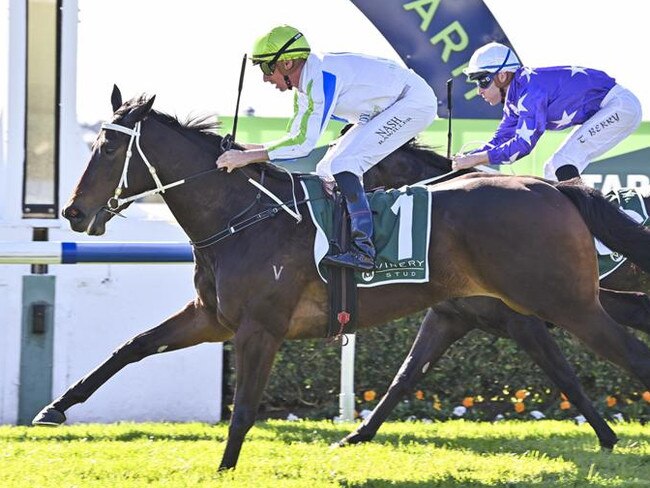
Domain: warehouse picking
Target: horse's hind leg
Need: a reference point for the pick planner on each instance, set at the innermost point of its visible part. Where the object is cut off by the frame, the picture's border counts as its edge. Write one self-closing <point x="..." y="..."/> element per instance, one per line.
<point x="447" y="323"/>
<point x="187" y="328"/>
<point x="531" y="334"/>
<point x="629" y="308"/>
<point x="439" y="330"/>
<point x="608" y="339"/>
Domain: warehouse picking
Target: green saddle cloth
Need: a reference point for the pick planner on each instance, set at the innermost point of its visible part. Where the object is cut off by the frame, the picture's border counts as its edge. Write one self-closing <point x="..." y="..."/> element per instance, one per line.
<point x="631" y="202"/>
<point x="402" y="226"/>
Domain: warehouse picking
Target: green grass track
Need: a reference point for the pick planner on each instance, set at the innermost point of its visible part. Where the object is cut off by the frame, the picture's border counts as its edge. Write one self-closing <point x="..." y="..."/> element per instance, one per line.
<point x="298" y="454"/>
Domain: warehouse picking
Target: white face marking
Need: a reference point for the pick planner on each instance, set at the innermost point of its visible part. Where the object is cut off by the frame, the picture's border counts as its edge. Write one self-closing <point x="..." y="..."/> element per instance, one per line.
<point x="425" y="367"/>
<point x="162" y="348"/>
<point x="277" y="272"/>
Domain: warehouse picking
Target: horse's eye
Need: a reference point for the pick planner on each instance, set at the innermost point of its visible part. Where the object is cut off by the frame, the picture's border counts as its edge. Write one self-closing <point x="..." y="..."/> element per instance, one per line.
<point x="109" y="150"/>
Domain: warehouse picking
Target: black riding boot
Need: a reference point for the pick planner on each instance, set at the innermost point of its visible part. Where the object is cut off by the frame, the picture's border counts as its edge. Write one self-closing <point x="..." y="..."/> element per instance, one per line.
<point x="361" y="254"/>
<point x="566" y="172"/>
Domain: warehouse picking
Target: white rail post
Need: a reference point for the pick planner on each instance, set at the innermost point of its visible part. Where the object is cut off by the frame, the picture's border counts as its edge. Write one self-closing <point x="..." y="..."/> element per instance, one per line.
<point x="346" y="397"/>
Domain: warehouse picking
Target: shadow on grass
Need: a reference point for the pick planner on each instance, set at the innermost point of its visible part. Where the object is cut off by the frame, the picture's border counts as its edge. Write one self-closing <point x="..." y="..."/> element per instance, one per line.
<point x="556" y="446"/>
<point x="47" y="434"/>
<point x="447" y="482"/>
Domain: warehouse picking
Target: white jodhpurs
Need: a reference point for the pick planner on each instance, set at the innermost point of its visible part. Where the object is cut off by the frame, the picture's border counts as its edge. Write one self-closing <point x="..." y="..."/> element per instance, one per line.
<point x="618" y="117"/>
<point x="365" y="144"/>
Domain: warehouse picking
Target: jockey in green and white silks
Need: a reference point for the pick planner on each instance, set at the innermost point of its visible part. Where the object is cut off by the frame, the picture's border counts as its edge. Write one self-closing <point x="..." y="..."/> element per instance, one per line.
<point x="387" y="104"/>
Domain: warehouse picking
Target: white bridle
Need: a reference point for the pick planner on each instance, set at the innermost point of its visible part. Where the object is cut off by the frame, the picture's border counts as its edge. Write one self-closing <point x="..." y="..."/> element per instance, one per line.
<point x="116" y="202"/>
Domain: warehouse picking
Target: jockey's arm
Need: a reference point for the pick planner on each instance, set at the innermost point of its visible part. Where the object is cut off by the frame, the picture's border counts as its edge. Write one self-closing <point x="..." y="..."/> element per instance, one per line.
<point x="252" y="146"/>
<point x="464" y="161"/>
<point x="235" y="158"/>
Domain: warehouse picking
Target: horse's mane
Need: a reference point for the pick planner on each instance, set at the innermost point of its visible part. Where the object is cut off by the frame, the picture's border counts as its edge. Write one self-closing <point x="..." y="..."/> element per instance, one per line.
<point x="415" y="149"/>
<point x="202" y="127"/>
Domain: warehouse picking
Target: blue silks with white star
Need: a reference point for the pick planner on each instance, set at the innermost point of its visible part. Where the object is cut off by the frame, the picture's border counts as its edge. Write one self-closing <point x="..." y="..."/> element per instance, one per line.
<point x="544" y="99"/>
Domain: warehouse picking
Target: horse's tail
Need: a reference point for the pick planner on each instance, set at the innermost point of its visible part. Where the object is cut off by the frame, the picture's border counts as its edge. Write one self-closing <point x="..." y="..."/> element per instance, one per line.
<point x="609" y="224"/>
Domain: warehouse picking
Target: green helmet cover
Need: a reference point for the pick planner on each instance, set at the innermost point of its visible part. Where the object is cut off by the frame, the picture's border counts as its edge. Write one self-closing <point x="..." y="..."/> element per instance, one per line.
<point x="266" y="47"/>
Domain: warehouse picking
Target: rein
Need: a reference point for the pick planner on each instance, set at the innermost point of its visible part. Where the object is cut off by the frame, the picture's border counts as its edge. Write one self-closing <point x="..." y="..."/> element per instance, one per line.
<point x="243" y="224"/>
<point x="272" y="211"/>
<point x="115" y="202"/>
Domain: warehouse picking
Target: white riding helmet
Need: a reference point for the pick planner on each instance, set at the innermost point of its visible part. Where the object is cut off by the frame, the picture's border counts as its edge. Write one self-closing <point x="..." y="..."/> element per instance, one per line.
<point x="492" y="58"/>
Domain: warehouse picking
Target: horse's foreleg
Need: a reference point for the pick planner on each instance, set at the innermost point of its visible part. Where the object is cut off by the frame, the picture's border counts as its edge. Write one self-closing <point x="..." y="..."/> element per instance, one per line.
<point x="193" y="325"/>
<point x="627" y="307"/>
<point x="533" y="337"/>
<point x="255" y="349"/>
<point x="440" y="328"/>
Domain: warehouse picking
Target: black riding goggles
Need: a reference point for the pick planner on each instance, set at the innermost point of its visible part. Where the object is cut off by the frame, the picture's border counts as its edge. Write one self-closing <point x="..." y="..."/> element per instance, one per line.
<point x="267" y="67"/>
<point x="485" y="80"/>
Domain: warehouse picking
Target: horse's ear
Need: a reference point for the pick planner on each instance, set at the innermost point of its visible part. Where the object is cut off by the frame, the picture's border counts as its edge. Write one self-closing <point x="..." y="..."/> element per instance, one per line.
<point x="116" y="98"/>
<point x="141" y="112"/>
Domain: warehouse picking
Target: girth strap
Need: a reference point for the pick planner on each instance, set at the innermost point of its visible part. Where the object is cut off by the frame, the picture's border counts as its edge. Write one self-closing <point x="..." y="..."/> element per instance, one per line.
<point x="341" y="285"/>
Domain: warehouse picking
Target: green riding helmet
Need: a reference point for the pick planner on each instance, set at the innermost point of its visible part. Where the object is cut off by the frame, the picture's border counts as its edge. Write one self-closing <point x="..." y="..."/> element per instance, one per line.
<point x="281" y="43"/>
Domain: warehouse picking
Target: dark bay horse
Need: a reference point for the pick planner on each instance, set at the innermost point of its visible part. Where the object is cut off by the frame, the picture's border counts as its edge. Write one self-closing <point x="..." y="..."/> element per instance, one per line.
<point x="447" y="322"/>
<point x="482" y="246"/>
<point x="413" y="163"/>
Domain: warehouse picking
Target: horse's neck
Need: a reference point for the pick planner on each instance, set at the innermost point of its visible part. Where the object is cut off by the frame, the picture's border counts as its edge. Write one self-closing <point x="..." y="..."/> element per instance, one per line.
<point x="203" y="205"/>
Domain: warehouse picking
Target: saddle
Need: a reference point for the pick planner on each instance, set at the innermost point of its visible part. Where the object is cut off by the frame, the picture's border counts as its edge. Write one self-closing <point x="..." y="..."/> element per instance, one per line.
<point x="402" y="226"/>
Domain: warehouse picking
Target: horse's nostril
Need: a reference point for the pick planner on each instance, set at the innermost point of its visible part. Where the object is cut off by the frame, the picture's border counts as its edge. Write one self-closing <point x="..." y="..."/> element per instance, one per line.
<point x="73" y="214"/>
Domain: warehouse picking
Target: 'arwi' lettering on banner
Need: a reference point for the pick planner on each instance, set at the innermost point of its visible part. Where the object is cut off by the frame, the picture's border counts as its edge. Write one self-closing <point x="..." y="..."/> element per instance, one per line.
<point x="454" y="37"/>
<point x="446" y="36"/>
<point x="425" y="14"/>
<point x="436" y="39"/>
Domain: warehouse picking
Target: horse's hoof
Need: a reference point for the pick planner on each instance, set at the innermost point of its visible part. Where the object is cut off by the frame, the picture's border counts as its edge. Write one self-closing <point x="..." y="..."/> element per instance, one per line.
<point x="49" y="416"/>
<point x="351" y="440"/>
<point x="337" y="444"/>
<point x="608" y="445"/>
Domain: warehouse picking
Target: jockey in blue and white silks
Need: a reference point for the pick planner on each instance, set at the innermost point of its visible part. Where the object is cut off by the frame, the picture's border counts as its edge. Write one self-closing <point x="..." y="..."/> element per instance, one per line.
<point x="553" y="98"/>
